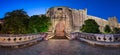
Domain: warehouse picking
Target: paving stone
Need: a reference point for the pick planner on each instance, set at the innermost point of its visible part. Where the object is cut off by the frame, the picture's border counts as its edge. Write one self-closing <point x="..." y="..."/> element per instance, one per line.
<point x="61" y="47"/>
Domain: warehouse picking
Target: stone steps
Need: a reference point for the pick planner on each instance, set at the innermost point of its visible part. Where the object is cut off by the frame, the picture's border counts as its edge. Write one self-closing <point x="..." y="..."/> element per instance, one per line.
<point x="59" y="37"/>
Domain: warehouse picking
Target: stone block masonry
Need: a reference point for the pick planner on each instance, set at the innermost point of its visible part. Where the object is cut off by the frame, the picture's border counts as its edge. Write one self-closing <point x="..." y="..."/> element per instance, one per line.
<point x="74" y="19"/>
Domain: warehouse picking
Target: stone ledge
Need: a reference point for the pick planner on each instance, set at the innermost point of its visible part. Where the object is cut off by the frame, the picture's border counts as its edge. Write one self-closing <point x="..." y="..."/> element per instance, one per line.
<point x="21" y="43"/>
<point x="106" y="44"/>
<point x="28" y="40"/>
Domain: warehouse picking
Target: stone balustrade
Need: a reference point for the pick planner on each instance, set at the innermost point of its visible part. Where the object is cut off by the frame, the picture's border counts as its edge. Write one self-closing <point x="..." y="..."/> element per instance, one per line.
<point x="105" y="37"/>
<point x="98" y="39"/>
<point x="19" y="39"/>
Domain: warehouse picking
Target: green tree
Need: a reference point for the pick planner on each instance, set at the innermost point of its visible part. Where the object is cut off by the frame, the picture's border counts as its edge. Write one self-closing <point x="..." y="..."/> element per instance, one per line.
<point x="15" y="22"/>
<point x="107" y="29"/>
<point x="90" y="26"/>
<point x="45" y="22"/>
<point x="39" y="23"/>
<point x="116" y="30"/>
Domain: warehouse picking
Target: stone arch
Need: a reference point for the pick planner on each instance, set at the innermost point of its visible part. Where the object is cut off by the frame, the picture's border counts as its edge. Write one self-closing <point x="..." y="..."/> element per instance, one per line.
<point x="60" y="29"/>
<point x="60" y="14"/>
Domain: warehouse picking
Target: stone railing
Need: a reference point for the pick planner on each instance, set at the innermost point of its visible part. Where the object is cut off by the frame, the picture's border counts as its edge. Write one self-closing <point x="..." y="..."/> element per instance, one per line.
<point x="98" y="39"/>
<point x="20" y="39"/>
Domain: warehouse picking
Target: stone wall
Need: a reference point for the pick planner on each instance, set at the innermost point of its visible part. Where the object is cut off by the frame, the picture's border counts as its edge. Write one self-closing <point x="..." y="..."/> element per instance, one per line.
<point x="101" y="22"/>
<point x="113" y="22"/>
<point x="20" y="39"/>
<point x="60" y="14"/>
<point x="78" y="18"/>
<point x="112" y="40"/>
<point x="74" y="19"/>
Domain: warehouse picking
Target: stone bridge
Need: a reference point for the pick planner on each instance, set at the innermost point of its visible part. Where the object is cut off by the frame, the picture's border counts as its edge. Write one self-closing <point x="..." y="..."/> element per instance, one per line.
<point x="109" y="40"/>
<point x="20" y="40"/>
<point x="76" y="44"/>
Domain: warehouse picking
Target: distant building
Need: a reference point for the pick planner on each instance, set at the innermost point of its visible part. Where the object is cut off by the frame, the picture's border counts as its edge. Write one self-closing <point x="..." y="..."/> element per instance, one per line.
<point x="74" y="19"/>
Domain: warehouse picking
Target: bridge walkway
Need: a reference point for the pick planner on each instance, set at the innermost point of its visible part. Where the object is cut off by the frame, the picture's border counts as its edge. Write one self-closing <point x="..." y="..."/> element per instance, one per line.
<point x="61" y="47"/>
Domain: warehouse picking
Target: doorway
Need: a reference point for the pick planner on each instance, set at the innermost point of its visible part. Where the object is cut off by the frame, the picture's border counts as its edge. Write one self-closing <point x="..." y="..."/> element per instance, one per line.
<point x="60" y="31"/>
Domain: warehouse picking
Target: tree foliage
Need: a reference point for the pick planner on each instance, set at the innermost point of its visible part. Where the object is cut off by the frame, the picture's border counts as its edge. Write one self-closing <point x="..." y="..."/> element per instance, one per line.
<point x="39" y="24"/>
<point x="15" y="22"/>
<point x="90" y="26"/>
<point x="116" y="30"/>
<point x="18" y="22"/>
<point x="107" y="29"/>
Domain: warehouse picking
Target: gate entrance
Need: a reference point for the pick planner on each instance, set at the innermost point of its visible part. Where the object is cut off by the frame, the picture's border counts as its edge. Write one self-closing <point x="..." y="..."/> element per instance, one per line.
<point x="60" y="31"/>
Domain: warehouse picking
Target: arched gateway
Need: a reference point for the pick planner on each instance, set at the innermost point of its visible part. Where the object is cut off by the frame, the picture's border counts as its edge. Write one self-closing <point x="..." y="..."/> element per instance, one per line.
<point x="59" y="32"/>
<point x="60" y="29"/>
<point x="61" y="22"/>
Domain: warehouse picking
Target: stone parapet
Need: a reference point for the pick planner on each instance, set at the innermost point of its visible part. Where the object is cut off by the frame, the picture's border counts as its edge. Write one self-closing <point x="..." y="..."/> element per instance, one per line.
<point x="20" y="39"/>
<point x="98" y="39"/>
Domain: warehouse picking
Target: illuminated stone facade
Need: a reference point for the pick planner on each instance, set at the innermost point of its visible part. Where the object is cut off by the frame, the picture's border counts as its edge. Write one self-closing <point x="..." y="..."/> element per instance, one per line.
<point x="74" y="19"/>
<point x="113" y="22"/>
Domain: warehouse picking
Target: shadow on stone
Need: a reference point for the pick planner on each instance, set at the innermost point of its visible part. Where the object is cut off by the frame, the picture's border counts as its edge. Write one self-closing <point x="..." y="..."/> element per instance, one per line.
<point x="59" y="37"/>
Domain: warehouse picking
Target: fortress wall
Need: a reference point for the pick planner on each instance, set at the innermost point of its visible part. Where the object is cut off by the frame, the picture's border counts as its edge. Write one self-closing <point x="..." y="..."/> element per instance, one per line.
<point x="101" y="22"/>
<point x="60" y="14"/>
<point x="78" y="17"/>
<point x="113" y="22"/>
<point x="74" y="19"/>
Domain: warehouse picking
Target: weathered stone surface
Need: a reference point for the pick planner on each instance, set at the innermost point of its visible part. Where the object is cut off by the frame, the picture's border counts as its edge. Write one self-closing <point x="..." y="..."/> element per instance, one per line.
<point x="15" y="40"/>
<point x="59" y="30"/>
<point x="74" y="19"/>
<point x="61" y="47"/>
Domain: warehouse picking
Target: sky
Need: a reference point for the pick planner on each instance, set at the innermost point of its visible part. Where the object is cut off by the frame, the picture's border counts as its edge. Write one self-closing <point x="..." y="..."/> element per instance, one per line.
<point x="99" y="8"/>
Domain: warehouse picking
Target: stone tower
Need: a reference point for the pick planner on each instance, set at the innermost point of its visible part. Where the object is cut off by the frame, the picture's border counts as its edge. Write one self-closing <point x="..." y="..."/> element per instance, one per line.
<point x="58" y="15"/>
<point x="113" y="22"/>
<point x="78" y="18"/>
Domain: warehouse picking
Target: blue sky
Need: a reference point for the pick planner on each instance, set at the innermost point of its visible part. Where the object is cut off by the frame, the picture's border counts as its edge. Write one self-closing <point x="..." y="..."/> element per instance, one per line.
<point x="99" y="8"/>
